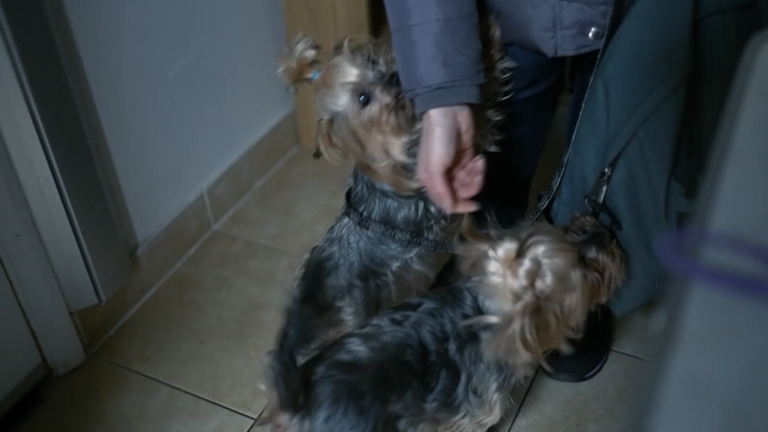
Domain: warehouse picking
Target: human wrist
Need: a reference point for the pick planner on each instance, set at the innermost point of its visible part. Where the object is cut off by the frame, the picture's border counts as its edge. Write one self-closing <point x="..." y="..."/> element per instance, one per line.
<point x="446" y="97"/>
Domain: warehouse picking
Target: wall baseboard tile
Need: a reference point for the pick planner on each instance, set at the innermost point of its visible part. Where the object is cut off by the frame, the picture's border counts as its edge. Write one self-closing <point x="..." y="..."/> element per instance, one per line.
<point x="153" y="263"/>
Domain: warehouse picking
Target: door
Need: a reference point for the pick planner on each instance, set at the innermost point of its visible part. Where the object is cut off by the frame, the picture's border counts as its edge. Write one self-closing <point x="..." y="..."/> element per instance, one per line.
<point x="55" y="149"/>
<point x="21" y="364"/>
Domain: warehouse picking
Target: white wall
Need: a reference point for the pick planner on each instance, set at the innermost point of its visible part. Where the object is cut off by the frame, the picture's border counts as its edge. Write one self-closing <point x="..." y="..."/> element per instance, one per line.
<point x="182" y="87"/>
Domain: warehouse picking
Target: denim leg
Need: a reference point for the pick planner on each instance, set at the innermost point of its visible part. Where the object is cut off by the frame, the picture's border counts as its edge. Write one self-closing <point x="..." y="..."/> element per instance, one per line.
<point x="527" y="116"/>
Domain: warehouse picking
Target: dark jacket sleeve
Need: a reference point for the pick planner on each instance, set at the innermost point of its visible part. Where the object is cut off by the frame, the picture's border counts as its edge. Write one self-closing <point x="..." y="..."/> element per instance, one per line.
<point x="438" y="51"/>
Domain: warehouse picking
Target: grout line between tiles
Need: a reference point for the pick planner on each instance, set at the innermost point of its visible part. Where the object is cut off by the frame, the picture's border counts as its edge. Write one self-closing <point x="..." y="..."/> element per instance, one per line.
<point x="219" y="225"/>
<point x="252" y="427"/>
<point x="180" y="389"/>
<point x="246" y="196"/>
<point x="208" y="208"/>
<point x="628" y="354"/>
<point x="193" y="249"/>
<point x="522" y="402"/>
<point x="256" y="242"/>
<point x="256" y="422"/>
<point x="154" y="288"/>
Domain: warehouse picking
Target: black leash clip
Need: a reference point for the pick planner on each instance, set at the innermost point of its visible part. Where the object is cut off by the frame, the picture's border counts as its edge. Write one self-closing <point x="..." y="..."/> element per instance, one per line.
<point x="595" y="200"/>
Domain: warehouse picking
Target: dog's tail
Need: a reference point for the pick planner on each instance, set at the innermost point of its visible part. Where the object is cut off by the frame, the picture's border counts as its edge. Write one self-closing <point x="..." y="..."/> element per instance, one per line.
<point x="296" y="339"/>
<point x="284" y="374"/>
<point x="285" y="397"/>
<point x="300" y="63"/>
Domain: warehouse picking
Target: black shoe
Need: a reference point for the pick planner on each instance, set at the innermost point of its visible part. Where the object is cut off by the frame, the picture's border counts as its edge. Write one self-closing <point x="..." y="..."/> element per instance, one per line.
<point x="590" y="353"/>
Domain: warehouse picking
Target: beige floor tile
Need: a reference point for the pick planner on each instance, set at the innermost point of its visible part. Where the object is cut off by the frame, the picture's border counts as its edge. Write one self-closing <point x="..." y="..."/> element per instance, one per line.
<point x="208" y="328"/>
<point x="239" y="178"/>
<point x="638" y="332"/>
<point x="295" y="207"/>
<point x="102" y="397"/>
<point x="599" y="405"/>
<point x="148" y="268"/>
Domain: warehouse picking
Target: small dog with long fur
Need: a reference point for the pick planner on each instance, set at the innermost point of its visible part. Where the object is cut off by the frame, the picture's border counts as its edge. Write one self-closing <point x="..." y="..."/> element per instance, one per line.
<point x="448" y="360"/>
<point x="390" y="240"/>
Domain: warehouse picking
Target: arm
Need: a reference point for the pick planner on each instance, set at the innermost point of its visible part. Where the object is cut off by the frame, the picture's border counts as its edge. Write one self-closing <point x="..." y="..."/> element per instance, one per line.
<point x="438" y="51"/>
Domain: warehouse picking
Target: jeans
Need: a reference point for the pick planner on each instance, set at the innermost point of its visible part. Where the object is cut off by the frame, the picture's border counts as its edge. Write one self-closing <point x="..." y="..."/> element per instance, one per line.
<point x="536" y="86"/>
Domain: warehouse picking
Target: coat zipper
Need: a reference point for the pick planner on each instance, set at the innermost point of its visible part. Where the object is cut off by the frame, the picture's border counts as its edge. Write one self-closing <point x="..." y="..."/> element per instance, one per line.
<point x="555" y="184"/>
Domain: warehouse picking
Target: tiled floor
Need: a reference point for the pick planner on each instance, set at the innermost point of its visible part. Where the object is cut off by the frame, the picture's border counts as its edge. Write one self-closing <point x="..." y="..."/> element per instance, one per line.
<point x="191" y="357"/>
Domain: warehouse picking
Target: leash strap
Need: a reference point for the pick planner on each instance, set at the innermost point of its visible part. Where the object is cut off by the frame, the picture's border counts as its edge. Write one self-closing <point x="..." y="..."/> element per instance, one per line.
<point x="398" y="235"/>
<point x="677" y="251"/>
<point x="595" y="200"/>
<point x="619" y="9"/>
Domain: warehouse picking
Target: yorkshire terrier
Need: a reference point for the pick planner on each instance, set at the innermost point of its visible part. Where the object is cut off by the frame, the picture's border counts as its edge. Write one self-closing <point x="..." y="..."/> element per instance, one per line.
<point x="390" y="240"/>
<point x="448" y="360"/>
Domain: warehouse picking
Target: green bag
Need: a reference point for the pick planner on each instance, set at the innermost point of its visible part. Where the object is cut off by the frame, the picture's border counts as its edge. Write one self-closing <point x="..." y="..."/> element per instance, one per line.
<point x="647" y="124"/>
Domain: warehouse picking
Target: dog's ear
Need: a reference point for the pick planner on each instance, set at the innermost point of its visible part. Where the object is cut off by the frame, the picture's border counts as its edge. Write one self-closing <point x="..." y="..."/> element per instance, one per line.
<point x="604" y="272"/>
<point x="328" y="144"/>
<point x="300" y="63"/>
<point x="602" y="255"/>
<point x="613" y="276"/>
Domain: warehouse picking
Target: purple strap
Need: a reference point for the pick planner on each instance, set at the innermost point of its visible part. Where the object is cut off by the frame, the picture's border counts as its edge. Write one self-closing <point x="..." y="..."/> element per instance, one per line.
<point x="673" y="251"/>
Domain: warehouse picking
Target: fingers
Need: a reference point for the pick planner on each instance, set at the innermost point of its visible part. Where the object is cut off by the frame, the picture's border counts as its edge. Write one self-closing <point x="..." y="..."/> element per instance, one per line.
<point x="433" y="175"/>
<point x="446" y="166"/>
<point x="468" y="180"/>
<point x="465" y="207"/>
<point x="439" y="189"/>
<point x="453" y="191"/>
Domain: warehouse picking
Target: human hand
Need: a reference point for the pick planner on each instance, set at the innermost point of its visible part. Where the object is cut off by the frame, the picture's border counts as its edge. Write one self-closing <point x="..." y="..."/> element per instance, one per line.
<point x="447" y="166"/>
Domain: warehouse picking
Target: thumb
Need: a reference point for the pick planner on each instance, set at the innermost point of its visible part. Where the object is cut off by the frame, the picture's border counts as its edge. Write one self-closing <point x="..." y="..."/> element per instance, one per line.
<point x="467" y="207"/>
<point x="437" y="184"/>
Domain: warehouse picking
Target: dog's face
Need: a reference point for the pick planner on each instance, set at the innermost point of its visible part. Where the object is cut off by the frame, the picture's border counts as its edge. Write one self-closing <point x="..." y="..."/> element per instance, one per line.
<point x="542" y="282"/>
<point x="364" y="112"/>
<point x="364" y="115"/>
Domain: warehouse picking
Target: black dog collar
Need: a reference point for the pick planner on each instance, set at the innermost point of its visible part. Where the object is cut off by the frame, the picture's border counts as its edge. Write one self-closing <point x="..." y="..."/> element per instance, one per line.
<point x="401" y="236"/>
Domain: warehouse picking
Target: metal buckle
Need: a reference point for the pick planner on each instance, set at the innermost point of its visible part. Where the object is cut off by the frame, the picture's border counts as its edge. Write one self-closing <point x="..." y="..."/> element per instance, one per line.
<point x="595" y="200"/>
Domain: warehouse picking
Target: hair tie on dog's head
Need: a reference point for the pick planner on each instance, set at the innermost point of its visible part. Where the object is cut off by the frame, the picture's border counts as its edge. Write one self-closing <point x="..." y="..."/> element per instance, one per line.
<point x="315" y="75"/>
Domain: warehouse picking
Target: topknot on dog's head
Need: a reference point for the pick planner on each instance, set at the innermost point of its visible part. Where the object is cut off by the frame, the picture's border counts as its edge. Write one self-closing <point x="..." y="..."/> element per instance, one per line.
<point x="522" y="266"/>
<point x="300" y="63"/>
<point x="538" y="288"/>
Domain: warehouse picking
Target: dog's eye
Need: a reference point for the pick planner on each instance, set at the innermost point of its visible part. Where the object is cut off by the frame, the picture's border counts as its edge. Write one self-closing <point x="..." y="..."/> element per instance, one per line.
<point x="364" y="99"/>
